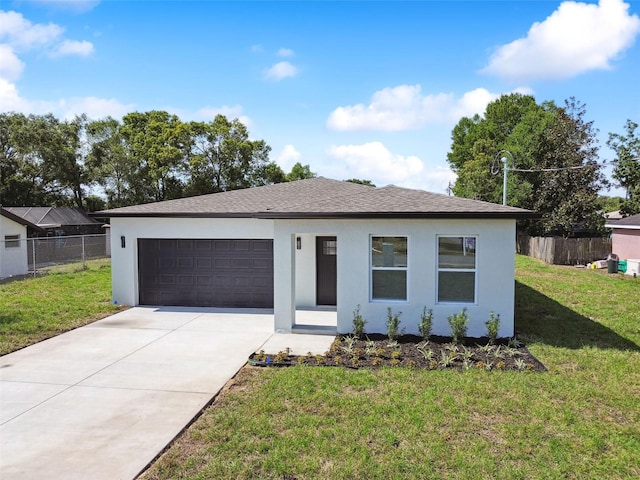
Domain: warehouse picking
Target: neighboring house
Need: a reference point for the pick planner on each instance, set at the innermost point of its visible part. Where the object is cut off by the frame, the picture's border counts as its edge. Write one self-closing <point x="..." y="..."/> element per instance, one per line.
<point x="612" y="217"/>
<point x="13" y="244"/>
<point x="321" y="243"/>
<point x="58" y="221"/>
<point x="626" y="237"/>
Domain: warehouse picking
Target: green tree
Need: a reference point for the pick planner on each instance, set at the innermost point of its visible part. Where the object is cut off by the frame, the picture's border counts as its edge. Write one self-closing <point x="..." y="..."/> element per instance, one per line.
<point x="222" y="157"/>
<point x="361" y="182"/>
<point x="42" y="160"/>
<point x="157" y="143"/>
<point x="300" y="172"/>
<point x="110" y="163"/>
<point x="540" y="137"/>
<point x="627" y="169"/>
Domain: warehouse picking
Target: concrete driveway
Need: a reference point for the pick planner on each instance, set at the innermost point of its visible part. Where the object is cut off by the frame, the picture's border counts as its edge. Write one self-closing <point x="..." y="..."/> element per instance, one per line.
<point x="103" y="400"/>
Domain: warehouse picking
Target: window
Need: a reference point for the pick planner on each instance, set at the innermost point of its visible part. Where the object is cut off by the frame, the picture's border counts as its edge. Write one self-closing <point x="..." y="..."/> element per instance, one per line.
<point x="11" y="241"/>
<point x="457" y="269"/>
<point x="389" y="268"/>
<point x="329" y="247"/>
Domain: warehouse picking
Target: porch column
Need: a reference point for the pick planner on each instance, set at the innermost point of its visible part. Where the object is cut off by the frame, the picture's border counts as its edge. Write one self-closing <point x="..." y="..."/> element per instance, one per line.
<point x="284" y="280"/>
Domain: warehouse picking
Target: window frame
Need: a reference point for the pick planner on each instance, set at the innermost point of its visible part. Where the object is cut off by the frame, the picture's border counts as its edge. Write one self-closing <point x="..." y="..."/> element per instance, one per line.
<point x="473" y="270"/>
<point x="12" y="241"/>
<point x="372" y="268"/>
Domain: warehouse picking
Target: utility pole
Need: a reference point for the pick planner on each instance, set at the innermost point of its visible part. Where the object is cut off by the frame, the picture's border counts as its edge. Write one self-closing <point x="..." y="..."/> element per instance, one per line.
<point x="504" y="156"/>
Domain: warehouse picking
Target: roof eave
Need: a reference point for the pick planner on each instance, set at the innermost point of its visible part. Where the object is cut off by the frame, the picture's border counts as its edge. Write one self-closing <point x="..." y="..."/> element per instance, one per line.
<point x="107" y="214"/>
<point x="321" y="215"/>
<point x="404" y="215"/>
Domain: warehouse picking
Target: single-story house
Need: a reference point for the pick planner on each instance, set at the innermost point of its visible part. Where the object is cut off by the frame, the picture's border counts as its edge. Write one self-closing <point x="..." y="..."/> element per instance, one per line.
<point x="626" y="237"/>
<point x="13" y="244"/>
<point x="321" y="243"/>
<point x="58" y="221"/>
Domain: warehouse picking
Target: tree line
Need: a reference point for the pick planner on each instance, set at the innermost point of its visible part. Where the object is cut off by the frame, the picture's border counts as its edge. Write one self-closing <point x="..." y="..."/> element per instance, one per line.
<point x="553" y="163"/>
<point x="146" y="157"/>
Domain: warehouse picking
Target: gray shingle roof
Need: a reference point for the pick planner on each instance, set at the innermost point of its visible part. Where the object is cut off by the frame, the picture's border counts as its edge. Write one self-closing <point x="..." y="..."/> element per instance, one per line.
<point x="320" y="198"/>
<point x="52" y="216"/>
<point x="632" y="222"/>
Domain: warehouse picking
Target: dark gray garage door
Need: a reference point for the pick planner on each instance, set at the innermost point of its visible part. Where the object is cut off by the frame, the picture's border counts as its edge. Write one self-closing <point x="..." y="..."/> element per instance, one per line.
<point x="206" y="273"/>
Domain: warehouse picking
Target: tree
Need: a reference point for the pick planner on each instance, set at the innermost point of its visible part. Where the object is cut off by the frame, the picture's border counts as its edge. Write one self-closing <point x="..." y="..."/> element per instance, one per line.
<point x="627" y="169"/>
<point x="361" y="182"/>
<point x="556" y="147"/>
<point x="156" y="143"/>
<point x="222" y="157"/>
<point x="300" y="172"/>
<point x="109" y="162"/>
<point x="41" y="160"/>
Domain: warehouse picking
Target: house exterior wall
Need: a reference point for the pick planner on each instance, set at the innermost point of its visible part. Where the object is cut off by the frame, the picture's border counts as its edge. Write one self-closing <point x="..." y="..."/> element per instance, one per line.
<point x="305" y="273"/>
<point x="626" y="243"/>
<point x="13" y="260"/>
<point x="124" y="261"/>
<point x="495" y="264"/>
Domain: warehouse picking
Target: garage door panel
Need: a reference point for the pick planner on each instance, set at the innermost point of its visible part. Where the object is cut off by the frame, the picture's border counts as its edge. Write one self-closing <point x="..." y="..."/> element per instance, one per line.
<point x="206" y="272"/>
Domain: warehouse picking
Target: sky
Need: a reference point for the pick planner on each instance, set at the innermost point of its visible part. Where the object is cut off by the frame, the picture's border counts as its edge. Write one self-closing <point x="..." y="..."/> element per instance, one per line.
<point x="355" y="89"/>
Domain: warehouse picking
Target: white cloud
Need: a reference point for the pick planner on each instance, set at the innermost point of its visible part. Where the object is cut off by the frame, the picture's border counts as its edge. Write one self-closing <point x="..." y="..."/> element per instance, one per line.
<point x="373" y="161"/>
<point x="94" y="107"/>
<point x="11" y="66"/>
<point x="285" y="52"/>
<point x="574" y="39"/>
<point x="256" y="48"/>
<point x="73" y="47"/>
<point x="207" y="114"/>
<point x="280" y="71"/>
<point x="405" y="108"/>
<point x="21" y="34"/>
<point x="288" y="157"/>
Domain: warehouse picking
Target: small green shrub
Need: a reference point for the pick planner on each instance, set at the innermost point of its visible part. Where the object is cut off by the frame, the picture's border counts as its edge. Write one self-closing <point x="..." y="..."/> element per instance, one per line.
<point x="426" y="322"/>
<point x="358" y="323"/>
<point x="493" y="325"/>
<point x="393" y="324"/>
<point x="458" y="323"/>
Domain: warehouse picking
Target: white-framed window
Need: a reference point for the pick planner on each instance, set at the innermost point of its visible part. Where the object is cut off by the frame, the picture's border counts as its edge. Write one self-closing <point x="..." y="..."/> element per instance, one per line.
<point x="12" y="241"/>
<point x="457" y="269"/>
<point x="389" y="268"/>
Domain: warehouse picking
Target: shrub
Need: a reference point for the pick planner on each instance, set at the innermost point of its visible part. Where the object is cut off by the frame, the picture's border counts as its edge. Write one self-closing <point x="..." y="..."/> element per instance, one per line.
<point x="458" y="323"/>
<point x="393" y="324"/>
<point x="493" y="325"/>
<point x="358" y="323"/>
<point x="426" y="322"/>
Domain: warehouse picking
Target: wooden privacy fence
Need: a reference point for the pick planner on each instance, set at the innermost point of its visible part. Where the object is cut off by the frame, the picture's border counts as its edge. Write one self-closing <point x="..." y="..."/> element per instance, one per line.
<point x="564" y="251"/>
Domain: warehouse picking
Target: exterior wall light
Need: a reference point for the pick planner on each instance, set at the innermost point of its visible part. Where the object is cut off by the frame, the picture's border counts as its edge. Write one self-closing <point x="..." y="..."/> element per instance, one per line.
<point x="298" y="243"/>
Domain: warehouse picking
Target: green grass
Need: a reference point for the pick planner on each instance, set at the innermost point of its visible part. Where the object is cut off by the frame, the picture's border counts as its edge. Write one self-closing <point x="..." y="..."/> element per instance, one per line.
<point x="34" y="309"/>
<point x="581" y="419"/>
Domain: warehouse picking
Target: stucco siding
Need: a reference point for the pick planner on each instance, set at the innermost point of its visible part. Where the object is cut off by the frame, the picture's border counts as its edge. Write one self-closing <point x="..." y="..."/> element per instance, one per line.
<point x="495" y="271"/>
<point x="13" y="260"/>
<point x="124" y="261"/>
<point x="626" y="243"/>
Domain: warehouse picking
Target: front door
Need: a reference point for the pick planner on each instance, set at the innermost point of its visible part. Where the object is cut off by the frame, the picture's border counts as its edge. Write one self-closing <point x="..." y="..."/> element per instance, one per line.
<point x="326" y="270"/>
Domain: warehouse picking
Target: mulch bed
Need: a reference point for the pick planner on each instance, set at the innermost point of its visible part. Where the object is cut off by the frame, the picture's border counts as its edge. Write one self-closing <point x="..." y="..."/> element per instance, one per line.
<point x="375" y="351"/>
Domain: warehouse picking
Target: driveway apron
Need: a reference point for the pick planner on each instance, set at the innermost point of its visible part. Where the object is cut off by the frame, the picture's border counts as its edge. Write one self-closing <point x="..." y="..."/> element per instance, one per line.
<point x="103" y="400"/>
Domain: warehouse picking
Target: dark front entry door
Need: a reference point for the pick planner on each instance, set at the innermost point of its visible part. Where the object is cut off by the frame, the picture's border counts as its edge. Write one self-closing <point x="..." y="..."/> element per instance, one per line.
<point x="326" y="270"/>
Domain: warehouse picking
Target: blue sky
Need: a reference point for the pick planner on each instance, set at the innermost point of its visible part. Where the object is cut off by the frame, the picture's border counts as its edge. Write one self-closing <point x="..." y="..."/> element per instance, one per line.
<point x="354" y="89"/>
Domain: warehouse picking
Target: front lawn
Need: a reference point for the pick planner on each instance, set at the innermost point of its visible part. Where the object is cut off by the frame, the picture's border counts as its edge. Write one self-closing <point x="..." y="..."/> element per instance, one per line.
<point x="578" y="420"/>
<point x="34" y="309"/>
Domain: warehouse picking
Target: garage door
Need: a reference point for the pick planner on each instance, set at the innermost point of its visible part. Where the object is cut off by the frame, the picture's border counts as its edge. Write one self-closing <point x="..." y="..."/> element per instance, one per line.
<point x="206" y="273"/>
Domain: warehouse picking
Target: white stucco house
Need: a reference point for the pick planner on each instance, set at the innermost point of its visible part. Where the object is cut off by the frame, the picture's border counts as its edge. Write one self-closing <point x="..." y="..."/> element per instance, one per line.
<point x="13" y="244"/>
<point x="321" y="244"/>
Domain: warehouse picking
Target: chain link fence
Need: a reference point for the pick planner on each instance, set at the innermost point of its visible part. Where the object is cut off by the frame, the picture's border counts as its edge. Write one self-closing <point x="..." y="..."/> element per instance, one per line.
<point x="44" y="253"/>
